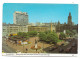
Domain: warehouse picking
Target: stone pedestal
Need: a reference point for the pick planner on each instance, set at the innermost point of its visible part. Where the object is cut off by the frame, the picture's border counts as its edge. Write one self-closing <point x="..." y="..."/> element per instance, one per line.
<point x="35" y="45"/>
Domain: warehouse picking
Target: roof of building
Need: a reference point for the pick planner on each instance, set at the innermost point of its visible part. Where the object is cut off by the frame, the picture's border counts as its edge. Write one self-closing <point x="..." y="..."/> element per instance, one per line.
<point x="13" y="25"/>
<point x="38" y="26"/>
<point x="20" y="12"/>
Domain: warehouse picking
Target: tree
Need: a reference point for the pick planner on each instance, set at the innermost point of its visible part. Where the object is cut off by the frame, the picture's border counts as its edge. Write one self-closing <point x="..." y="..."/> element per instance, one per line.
<point x="52" y="37"/>
<point x="42" y="36"/>
<point x="68" y="32"/>
<point x="49" y="37"/>
<point x="62" y="35"/>
<point x="46" y="32"/>
<point x="32" y="33"/>
<point x="74" y="31"/>
<point x="22" y="35"/>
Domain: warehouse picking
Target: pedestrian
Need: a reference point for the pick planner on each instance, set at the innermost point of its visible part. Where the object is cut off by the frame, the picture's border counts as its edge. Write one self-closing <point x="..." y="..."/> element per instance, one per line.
<point x="36" y="50"/>
<point x="6" y="44"/>
<point x="26" y="50"/>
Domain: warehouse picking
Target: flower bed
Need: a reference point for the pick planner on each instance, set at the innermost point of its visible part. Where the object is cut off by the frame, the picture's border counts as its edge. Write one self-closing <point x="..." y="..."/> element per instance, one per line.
<point x="33" y="47"/>
<point x="29" y="42"/>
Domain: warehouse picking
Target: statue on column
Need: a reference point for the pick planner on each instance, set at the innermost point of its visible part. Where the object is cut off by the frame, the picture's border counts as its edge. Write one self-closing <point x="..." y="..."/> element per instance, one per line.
<point x="35" y="43"/>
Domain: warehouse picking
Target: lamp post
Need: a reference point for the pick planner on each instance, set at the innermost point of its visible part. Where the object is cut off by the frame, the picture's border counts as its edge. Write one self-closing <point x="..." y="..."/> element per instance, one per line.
<point x="6" y="40"/>
<point x="43" y="47"/>
<point x="51" y="25"/>
<point x="36" y="45"/>
<point x="23" y="46"/>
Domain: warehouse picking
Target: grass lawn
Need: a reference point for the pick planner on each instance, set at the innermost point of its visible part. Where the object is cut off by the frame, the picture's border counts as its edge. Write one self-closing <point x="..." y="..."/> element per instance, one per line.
<point x="60" y="40"/>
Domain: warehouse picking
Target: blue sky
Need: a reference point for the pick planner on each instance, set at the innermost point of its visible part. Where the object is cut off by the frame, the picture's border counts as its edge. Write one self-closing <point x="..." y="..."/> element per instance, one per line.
<point x="43" y="13"/>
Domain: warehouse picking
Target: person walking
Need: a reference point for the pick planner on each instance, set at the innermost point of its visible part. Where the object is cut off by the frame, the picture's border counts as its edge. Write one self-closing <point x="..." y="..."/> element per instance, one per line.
<point x="26" y="50"/>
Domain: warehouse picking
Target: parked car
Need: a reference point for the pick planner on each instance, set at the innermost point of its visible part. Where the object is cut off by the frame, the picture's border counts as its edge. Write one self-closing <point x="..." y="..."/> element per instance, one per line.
<point x="69" y="40"/>
<point x="62" y="44"/>
<point x="18" y="51"/>
<point x="68" y="49"/>
<point x="73" y="44"/>
<point x="3" y="51"/>
<point x="61" y="50"/>
<point x="53" y="48"/>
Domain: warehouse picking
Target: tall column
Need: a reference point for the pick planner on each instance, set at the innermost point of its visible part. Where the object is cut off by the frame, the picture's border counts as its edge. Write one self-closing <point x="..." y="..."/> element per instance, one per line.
<point x="51" y="26"/>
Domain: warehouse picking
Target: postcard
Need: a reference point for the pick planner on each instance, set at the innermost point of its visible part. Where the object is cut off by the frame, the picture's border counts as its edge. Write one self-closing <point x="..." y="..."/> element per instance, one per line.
<point x="39" y="29"/>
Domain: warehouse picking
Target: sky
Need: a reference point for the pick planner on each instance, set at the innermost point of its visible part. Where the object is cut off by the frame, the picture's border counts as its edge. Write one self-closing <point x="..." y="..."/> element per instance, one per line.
<point x="43" y="13"/>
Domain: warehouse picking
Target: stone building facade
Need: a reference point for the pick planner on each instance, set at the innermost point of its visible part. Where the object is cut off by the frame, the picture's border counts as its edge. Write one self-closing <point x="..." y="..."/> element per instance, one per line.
<point x="38" y="28"/>
<point x="69" y="26"/>
<point x="13" y="29"/>
<point x="49" y="26"/>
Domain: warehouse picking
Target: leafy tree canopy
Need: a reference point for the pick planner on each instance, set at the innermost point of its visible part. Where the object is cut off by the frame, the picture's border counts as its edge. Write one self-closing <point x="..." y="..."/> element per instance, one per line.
<point x="32" y="33"/>
<point x="50" y="37"/>
<point x="62" y="35"/>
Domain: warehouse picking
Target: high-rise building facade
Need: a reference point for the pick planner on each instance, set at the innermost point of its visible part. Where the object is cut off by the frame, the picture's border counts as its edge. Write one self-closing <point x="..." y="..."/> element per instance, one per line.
<point x="20" y="18"/>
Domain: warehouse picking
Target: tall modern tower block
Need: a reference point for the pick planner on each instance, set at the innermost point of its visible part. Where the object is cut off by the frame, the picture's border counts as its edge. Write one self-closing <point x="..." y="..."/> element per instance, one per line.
<point x="20" y="18"/>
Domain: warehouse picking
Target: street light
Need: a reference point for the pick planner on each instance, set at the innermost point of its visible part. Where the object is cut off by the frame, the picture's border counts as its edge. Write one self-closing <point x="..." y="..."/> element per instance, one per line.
<point x="43" y="47"/>
<point x="23" y="46"/>
<point x="6" y="40"/>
